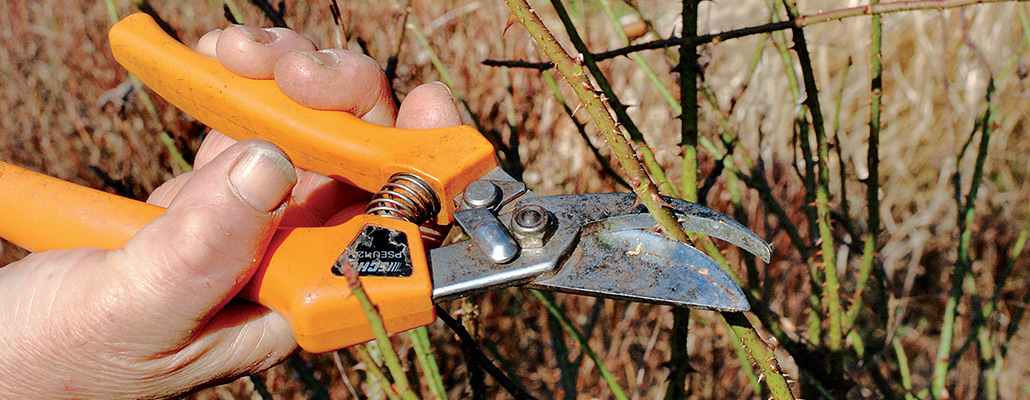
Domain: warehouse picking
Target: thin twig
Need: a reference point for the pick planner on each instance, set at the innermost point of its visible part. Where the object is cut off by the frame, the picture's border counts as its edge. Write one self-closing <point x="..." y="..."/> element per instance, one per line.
<point x="395" y="55"/>
<point x="512" y="158"/>
<point x="276" y="16"/>
<point x="798" y="22"/>
<point x="991" y="361"/>
<point x="232" y="12"/>
<point x="679" y="359"/>
<point x="470" y="324"/>
<point x="903" y="369"/>
<point x="343" y="375"/>
<point x="481" y="359"/>
<point x="842" y="173"/>
<point x="617" y="391"/>
<point x="145" y="7"/>
<point x="542" y="66"/>
<point x="339" y="34"/>
<point x="569" y="372"/>
<point x="643" y="64"/>
<point x="259" y="386"/>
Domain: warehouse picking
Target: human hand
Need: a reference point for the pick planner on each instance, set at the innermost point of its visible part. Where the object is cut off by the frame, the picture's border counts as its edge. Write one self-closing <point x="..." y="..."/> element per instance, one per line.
<point x="157" y="317"/>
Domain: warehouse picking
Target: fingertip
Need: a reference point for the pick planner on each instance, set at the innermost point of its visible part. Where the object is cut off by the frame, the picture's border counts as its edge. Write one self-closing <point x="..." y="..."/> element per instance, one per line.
<point x="252" y="52"/>
<point x="206" y="44"/>
<point x="263" y="176"/>
<point x="337" y="80"/>
<point x="163" y="195"/>
<point x="428" y="106"/>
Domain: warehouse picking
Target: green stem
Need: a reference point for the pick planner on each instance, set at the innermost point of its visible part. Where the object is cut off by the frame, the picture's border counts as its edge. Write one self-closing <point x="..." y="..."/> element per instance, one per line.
<point x="966" y="213"/>
<point x="377" y="373"/>
<point x="745" y="359"/>
<point x="992" y="362"/>
<point x="903" y="370"/>
<point x="424" y="354"/>
<point x="842" y="173"/>
<point x="822" y="188"/>
<point x="872" y="235"/>
<point x="815" y="322"/>
<point x="393" y="363"/>
<point x="613" y="384"/>
<point x="761" y="354"/>
<point x="688" y="99"/>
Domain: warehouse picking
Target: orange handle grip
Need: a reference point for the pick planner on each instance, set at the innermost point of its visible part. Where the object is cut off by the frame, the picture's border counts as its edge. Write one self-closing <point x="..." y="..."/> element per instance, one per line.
<point x="332" y="143"/>
<point x="41" y="213"/>
<point x="295" y="278"/>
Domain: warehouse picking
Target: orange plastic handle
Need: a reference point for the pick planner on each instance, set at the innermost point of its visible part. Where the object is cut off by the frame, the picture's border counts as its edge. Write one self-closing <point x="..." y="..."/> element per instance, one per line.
<point x="332" y="143"/>
<point x="295" y="278"/>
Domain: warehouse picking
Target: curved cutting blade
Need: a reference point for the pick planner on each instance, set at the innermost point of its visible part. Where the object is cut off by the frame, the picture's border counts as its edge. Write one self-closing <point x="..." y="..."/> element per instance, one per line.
<point x="640" y="265"/>
<point x="620" y="211"/>
<point x="604" y="245"/>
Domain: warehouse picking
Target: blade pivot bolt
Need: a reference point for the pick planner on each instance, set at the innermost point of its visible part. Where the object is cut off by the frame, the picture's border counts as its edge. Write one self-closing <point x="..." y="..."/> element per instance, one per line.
<point x="481" y="194"/>
<point x="495" y="241"/>
<point x="532" y="225"/>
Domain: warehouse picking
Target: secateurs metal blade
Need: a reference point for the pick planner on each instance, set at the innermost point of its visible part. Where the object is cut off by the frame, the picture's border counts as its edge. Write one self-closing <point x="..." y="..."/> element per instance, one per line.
<point x="595" y="244"/>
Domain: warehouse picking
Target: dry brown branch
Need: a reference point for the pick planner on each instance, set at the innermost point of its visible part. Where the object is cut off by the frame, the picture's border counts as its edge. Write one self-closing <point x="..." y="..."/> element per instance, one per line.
<point x="799" y="22"/>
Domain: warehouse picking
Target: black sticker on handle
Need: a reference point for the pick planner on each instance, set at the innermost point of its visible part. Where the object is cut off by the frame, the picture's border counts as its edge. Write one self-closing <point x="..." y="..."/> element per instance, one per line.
<point x="377" y="251"/>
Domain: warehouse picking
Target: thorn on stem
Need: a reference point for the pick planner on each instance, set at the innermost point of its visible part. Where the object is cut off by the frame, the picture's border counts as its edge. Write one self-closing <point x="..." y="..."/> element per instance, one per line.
<point x="512" y="19"/>
<point x="660" y="201"/>
<point x="578" y="106"/>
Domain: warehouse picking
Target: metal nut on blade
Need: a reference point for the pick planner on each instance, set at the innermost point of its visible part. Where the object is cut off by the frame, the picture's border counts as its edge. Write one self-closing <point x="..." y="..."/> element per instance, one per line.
<point x="532" y="225"/>
<point x="481" y="194"/>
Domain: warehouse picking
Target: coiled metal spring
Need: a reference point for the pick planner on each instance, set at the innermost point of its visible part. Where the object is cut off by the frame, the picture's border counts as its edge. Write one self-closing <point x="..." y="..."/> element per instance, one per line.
<point x="405" y="197"/>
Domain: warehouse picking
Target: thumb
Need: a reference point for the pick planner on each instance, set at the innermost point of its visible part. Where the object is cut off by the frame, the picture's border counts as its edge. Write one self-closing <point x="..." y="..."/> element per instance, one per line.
<point x="187" y="264"/>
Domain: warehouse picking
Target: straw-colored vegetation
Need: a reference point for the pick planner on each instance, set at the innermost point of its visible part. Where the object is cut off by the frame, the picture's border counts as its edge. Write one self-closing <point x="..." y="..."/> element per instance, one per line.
<point x="886" y="323"/>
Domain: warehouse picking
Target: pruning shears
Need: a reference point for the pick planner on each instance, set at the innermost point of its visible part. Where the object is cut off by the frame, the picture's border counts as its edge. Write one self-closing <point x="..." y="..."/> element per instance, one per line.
<point x="595" y="244"/>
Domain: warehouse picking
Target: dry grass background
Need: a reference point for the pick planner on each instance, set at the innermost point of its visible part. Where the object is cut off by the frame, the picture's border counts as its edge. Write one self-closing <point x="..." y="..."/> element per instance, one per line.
<point x="56" y="65"/>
